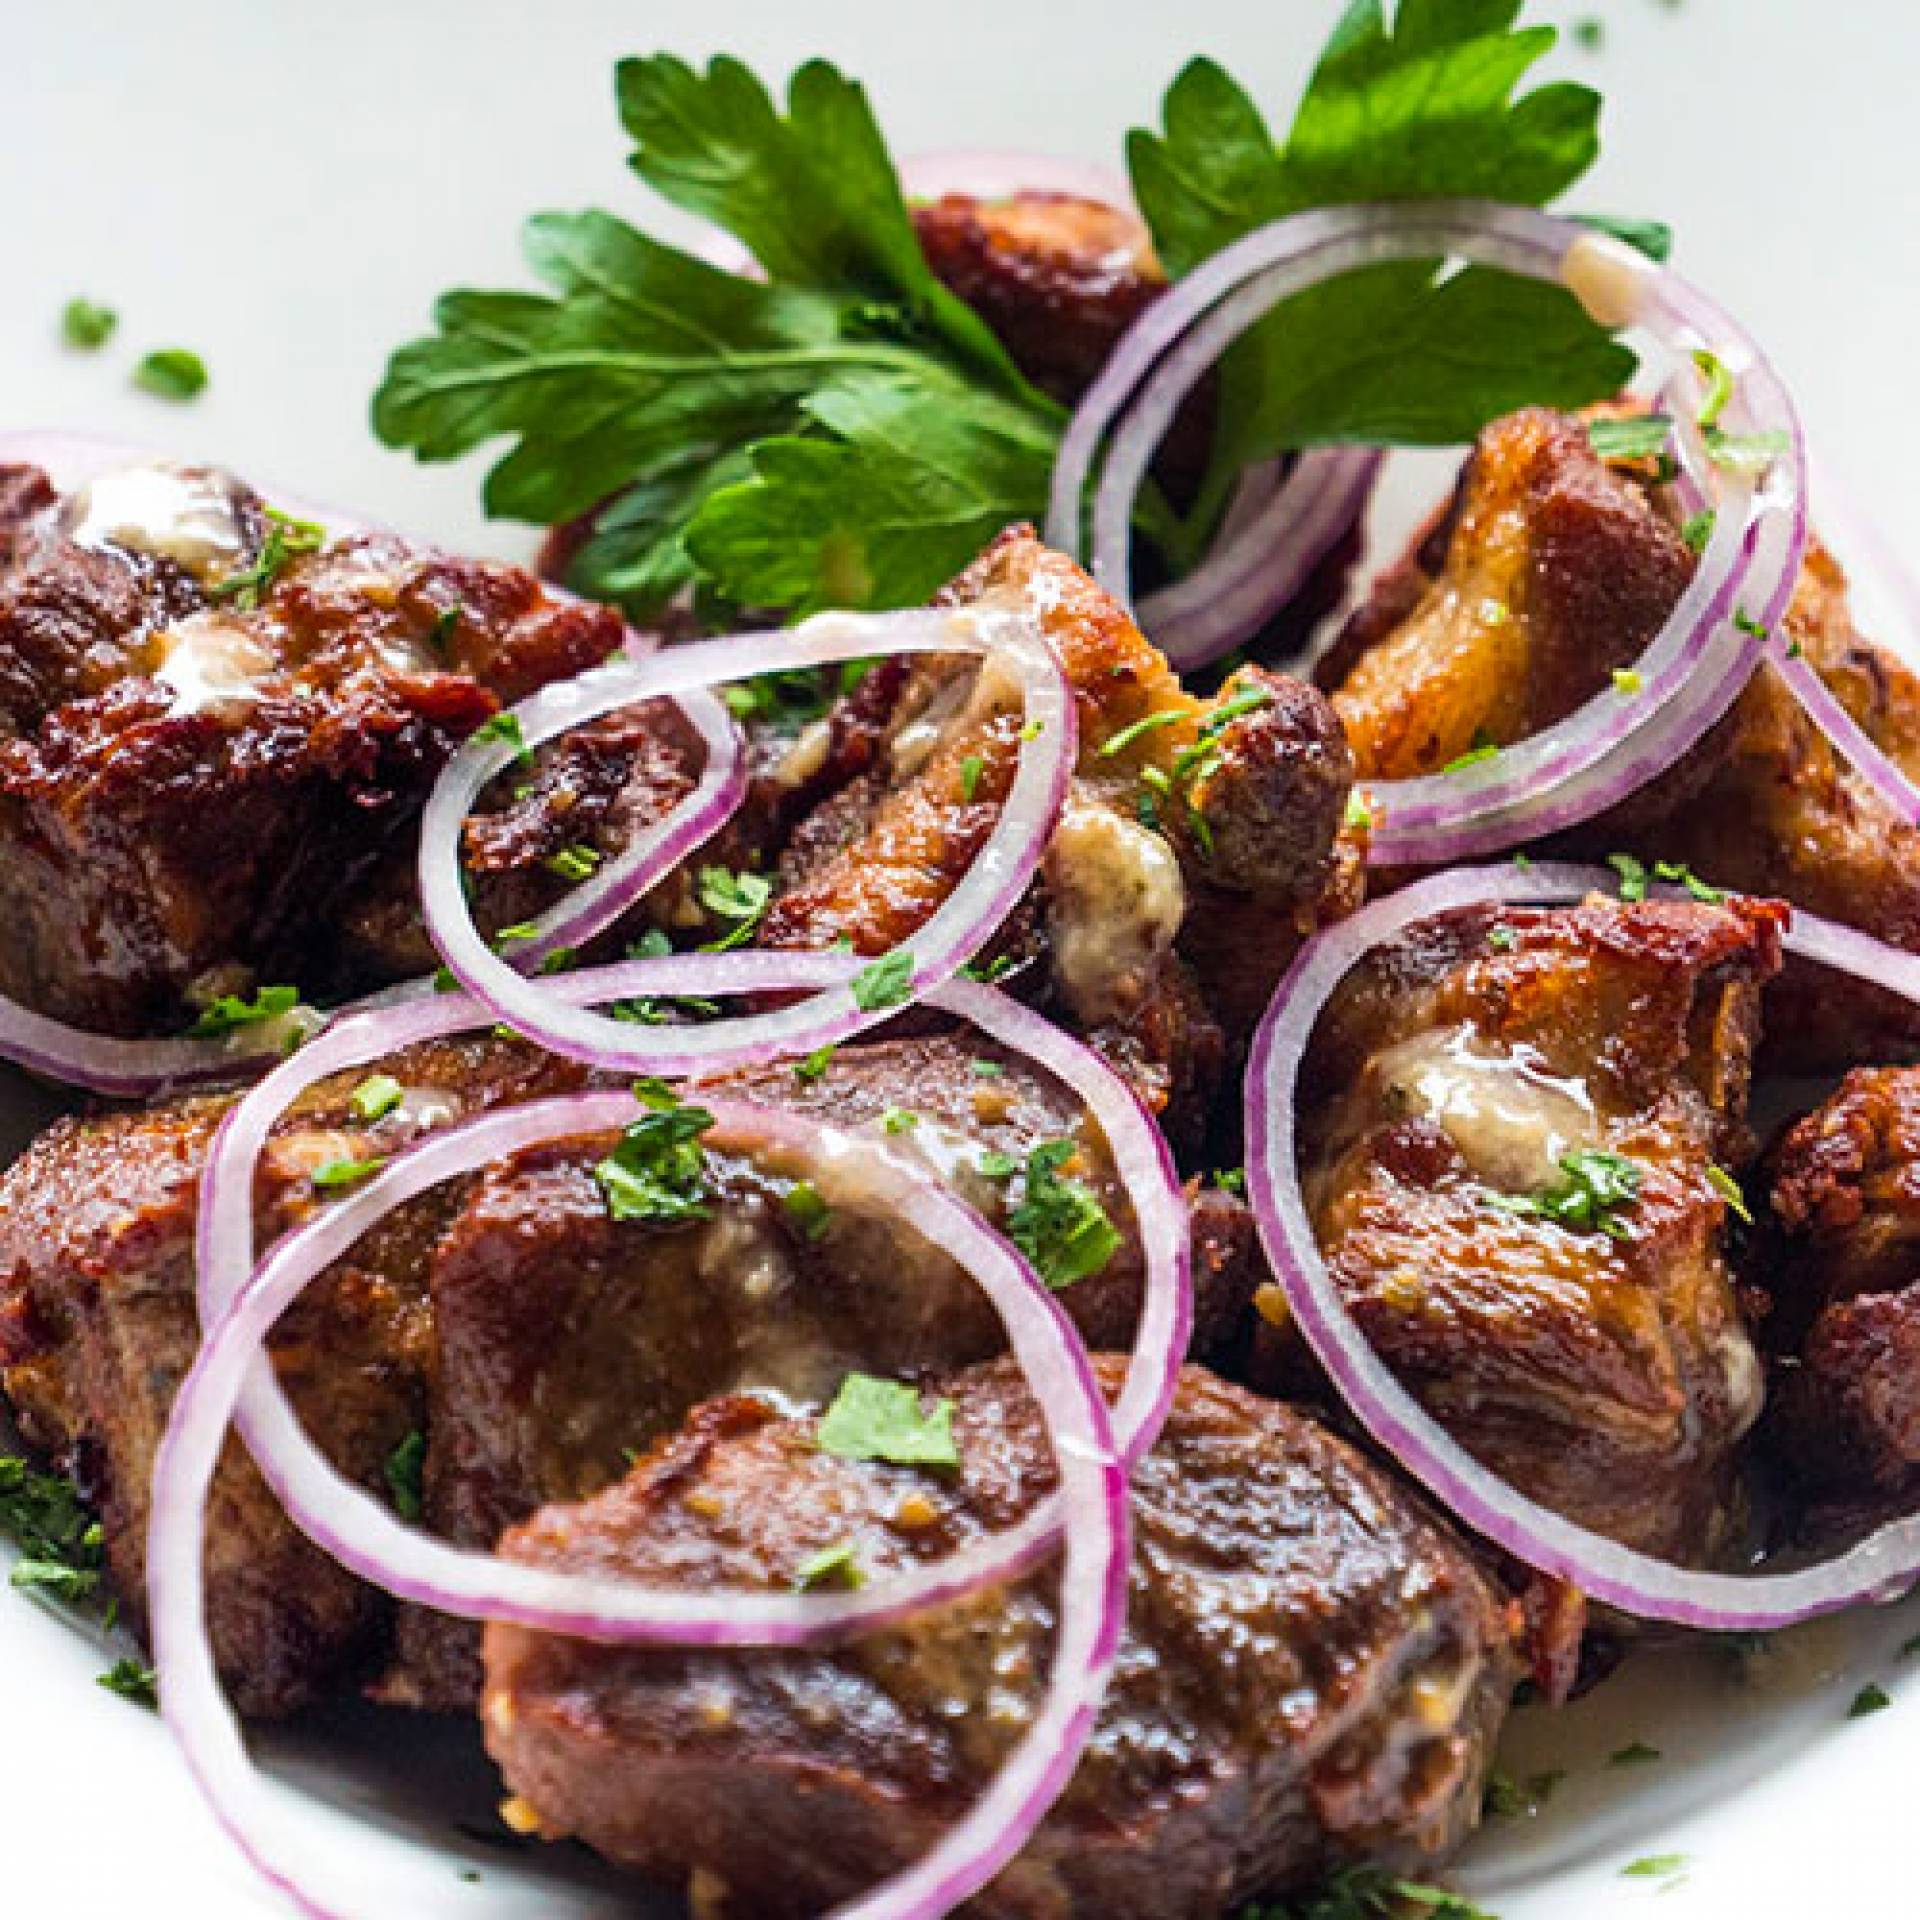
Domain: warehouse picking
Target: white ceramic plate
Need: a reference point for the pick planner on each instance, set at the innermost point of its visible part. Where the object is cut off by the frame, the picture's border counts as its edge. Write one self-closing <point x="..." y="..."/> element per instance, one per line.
<point x="285" y="187"/>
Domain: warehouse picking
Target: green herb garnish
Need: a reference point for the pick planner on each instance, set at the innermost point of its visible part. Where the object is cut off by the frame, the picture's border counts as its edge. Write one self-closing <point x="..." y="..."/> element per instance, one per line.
<point x="231" y="1011"/>
<point x="1698" y="532"/>
<point x="405" y="1470"/>
<point x="333" y="1176"/>
<point x="1640" y="436"/>
<point x="658" y="1172"/>
<point x="62" y="1547"/>
<point x="807" y="1208"/>
<point x="132" y="1680"/>
<point x="887" y="983"/>
<point x="1728" y="1188"/>
<point x="172" y="373"/>
<point x="874" y="1419"/>
<point x="844" y="431"/>
<point x="575" y="863"/>
<point x="1872" y="1698"/>
<point x="837" y="1565"/>
<point x="376" y="1097"/>
<point x="1594" y="1190"/>
<point x="1060" y="1224"/>
<point x="506" y="728"/>
<point x="286" y="538"/>
<point x="1655" y="1866"/>
<point x="740" y="899"/>
<point x="971" y="768"/>
<point x="1636" y="1754"/>
<point x="899" y="1120"/>
<point x="86" y="324"/>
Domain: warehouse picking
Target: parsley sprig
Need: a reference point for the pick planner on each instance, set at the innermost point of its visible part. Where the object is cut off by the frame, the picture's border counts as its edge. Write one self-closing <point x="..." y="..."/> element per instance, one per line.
<point x="843" y="431"/>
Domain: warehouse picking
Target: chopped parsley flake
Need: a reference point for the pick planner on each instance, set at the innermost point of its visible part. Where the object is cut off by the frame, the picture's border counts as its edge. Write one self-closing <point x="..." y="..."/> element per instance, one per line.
<point x="376" y="1096"/>
<point x="1636" y="1754"/>
<point x="887" y="983"/>
<point x="506" y="728"/>
<point x="1595" y="1189"/>
<point x="807" y="1208"/>
<point x="1590" y="33"/>
<point x="1231" y="1180"/>
<point x="1060" y="1224"/>
<point x="404" y="1469"/>
<point x="335" y="1175"/>
<point x="815" y="1065"/>
<point x="838" y="1565"/>
<point x="1728" y="1188"/>
<point x="1359" y="815"/>
<point x="1719" y="382"/>
<point x="1473" y="757"/>
<point x="86" y="324"/>
<point x="1872" y="1698"/>
<point x="971" y="768"/>
<point x="1633" y="875"/>
<point x="286" y="539"/>
<point x="873" y="1419"/>
<point x="1639" y="436"/>
<point x="658" y="1172"/>
<point x="1118" y="743"/>
<point x="1502" y="939"/>
<point x="1698" y="532"/>
<point x="1655" y="1866"/>
<point x="231" y="1011"/>
<point x="172" y="373"/>
<point x="132" y="1680"/>
<point x="1748" y="455"/>
<point x="574" y="863"/>
<point x="62" y="1547"/>
<point x="899" y="1120"/>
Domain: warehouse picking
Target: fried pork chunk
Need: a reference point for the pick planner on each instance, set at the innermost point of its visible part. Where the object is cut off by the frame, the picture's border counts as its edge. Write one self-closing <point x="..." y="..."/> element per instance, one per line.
<point x="532" y="1338"/>
<point x="1200" y="841"/>
<point x="1512" y="1122"/>
<point x="1058" y="278"/>
<point x="211" y="737"/>
<point x="98" y="1328"/>
<point x="1313" y="1670"/>
<point x="1550" y="570"/>
<point x="568" y="1339"/>
<point x="1841" y="1267"/>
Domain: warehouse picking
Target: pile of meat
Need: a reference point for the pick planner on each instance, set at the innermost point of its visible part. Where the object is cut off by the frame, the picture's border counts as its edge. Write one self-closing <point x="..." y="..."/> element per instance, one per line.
<point x="203" y="791"/>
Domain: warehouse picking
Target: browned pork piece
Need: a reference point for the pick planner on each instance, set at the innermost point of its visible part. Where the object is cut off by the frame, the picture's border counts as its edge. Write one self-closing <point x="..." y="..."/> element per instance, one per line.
<point x="1057" y="277"/>
<point x="1200" y="842"/>
<point x="212" y="734"/>
<point x="1314" y="1671"/>
<point x="1841" y="1270"/>
<point x="568" y="1339"/>
<point x="98" y="1328"/>
<point x="1551" y="569"/>
<point x="1512" y="1124"/>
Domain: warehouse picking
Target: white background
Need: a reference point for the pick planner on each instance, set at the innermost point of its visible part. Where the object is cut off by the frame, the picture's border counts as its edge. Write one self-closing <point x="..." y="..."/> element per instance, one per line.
<point x="284" y="187"/>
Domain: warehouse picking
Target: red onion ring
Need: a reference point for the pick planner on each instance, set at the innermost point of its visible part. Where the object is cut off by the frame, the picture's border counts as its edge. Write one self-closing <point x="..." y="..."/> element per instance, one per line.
<point x="1263" y="557"/>
<point x="1000" y="873"/>
<point x="224" y="1242"/>
<point x="1694" y="668"/>
<point x="1092" y="1499"/>
<point x="1883" y="1567"/>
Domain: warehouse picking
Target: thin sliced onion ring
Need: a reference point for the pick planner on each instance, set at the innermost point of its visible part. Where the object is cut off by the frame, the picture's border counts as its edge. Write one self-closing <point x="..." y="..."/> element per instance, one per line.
<point x="1695" y="667"/>
<point x="224" y="1238"/>
<point x="1883" y="1567"/>
<point x="1264" y="556"/>
<point x="1092" y="1498"/>
<point x="966" y="919"/>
